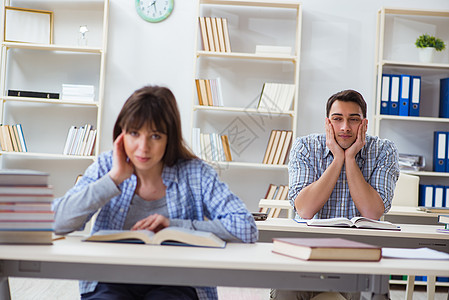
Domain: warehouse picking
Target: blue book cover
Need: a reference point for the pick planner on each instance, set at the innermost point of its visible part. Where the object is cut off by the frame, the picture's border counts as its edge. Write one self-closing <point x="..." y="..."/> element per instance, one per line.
<point x="439" y="151"/>
<point x="404" y="95"/>
<point x="385" y="94"/>
<point x="444" y="98"/>
<point x="426" y="193"/>
<point x="394" y="98"/>
<point x="415" y="96"/>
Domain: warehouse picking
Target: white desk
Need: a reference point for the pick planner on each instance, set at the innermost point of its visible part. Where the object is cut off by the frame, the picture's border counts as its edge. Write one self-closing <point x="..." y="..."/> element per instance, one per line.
<point x="243" y="265"/>
<point x="410" y="236"/>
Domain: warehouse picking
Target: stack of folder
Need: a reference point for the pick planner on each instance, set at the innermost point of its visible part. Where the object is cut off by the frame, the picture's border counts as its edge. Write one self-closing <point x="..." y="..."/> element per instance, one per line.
<point x="400" y="95"/>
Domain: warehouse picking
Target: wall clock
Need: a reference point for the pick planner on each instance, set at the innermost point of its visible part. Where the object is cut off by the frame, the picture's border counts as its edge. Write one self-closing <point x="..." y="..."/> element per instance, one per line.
<point x="154" y="10"/>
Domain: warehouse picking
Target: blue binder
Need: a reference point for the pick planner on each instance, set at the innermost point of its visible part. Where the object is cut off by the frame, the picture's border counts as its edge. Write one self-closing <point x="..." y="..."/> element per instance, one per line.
<point x="404" y="95"/>
<point x="439" y="151"/>
<point x="394" y="98"/>
<point x="385" y="94"/>
<point x="426" y="193"/>
<point x="444" y="98"/>
<point x="415" y="95"/>
<point x="438" y="197"/>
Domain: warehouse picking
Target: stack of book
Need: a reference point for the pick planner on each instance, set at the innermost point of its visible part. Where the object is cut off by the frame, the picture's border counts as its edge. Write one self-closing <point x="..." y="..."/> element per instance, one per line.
<point x="209" y="92"/>
<point x="278" y="147"/>
<point x="433" y="196"/>
<point x="25" y="207"/>
<point x="80" y="140"/>
<point x="78" y="92"/>
<point x="215" y="34"/>
<point x="276" y="97"/>
<point x="211" y="146"/>
<point x="275" y="192"/>
<point x="12" y="138"/>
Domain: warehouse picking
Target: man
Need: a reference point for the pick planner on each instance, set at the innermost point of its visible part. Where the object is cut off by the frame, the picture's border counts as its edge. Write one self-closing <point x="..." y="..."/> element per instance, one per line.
<point x="342" y="173"/>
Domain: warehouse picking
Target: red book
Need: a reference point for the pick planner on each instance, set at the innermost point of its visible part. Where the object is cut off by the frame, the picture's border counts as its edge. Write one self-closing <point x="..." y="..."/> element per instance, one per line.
<point x="326" y="249"/>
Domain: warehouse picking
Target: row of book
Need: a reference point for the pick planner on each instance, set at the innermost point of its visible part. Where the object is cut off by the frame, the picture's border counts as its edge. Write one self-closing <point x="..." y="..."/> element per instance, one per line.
<point x="78" y="92"/>
<point x="209" y="92"/>
<point x="215" y="34"/>
<point x="80" y="140"/>
<point x="278" y="147"/>
<point x="25" y="207"/>
<point x="211" y="146"/>
<point x="400" y="95"/>
<point x="275" y="192"/>
<point x="12" y="138"/>
<point x="433" y="196"/>
<point x="441" y="151"/>
<point x="276" y="96"/>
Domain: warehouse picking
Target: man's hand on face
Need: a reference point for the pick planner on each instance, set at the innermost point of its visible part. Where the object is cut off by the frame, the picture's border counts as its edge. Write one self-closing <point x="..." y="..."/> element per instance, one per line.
<point x="359" y="142"/>
<point x="331" y="142"/>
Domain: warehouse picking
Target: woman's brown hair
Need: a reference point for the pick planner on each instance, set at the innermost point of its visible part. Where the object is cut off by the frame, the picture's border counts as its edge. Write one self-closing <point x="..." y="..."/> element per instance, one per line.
<point x="155" y="106"/>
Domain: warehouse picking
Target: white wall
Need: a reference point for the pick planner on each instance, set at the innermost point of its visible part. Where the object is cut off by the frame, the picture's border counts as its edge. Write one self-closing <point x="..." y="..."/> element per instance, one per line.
<point x="337" y="53"/>
<point x="338" y="41"/>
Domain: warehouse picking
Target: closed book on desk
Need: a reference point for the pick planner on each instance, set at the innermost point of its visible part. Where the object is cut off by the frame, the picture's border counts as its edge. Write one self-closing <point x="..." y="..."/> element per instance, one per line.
<point x="32" y="237"/>
<point x="167" y="236"/>
<point x="358" y="222"/>
<point x="326" y="249"/>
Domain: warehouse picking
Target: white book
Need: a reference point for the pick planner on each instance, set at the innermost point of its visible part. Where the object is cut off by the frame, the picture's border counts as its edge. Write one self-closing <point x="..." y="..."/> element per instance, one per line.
<point x="74" y="142"/>
<point x="196" y="144"/>
<point x="69" y="139"/>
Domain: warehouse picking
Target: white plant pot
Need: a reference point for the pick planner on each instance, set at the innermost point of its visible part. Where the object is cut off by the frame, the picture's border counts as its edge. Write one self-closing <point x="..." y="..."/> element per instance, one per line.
<point x="426" y="55"/>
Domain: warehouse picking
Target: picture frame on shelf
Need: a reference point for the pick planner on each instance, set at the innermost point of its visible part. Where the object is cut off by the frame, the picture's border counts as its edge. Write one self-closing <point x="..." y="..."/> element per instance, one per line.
<point x="25" y="25"/>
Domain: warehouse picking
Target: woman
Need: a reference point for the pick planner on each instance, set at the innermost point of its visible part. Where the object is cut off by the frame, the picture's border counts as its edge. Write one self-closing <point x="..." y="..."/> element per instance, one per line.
<point x="150" y="180"/>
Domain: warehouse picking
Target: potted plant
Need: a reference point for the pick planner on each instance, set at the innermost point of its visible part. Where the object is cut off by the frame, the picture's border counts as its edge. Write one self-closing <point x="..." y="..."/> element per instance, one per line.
<point x="427" y="46"/>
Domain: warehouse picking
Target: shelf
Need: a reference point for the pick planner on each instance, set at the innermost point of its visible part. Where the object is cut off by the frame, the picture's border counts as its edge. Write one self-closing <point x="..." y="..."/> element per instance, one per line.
<point x="51" y="101"/>
<point x="404" y="282"/>
<point x="242" y="110"/>
<point x="413" y="119"/>
<point x="48" y="155"/>
<point x="269" y="57"/>
<point x="51" y="47"/>
<point x="258" y="3"/>
<point x="390" y="63"/>
<point x="416" y="12"/>
<point x="229" y="164"/>
<point x="428" y="173"/>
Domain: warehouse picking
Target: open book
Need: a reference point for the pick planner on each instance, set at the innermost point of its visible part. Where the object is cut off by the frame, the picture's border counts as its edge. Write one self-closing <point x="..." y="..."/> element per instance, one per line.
<point x="166" y="236"/>
<point x="359" y="222"/>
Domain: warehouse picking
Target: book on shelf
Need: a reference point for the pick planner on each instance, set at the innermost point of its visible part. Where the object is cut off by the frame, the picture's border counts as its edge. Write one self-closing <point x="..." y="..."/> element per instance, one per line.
<point x="274" y="192"/>
<point x="33" y="190"/>
<point x="26" y="198"/>
<point x="326" y="249"/>
<point x="166" y="236"/>
<point x="80" y="140"/>
<point x="276" y="97"/>
<point x="358" y="222"/>
<point x="214" y="34"/>
<point x="209" y="92"/>
<point x="78" y="92"/>
<point x="32" y="237"/>
<point x="278" y="145"/>
<point x="32" y="94"/>
<point x="12" y="139"/>
<point x="211" y="146"/>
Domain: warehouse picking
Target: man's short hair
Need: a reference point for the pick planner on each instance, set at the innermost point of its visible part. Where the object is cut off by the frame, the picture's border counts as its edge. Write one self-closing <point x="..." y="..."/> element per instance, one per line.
<point x="347" y="96"/>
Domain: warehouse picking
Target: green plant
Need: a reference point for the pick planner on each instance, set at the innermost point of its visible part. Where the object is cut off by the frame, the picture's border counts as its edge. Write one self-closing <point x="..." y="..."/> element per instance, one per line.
<point x="426" y="40"/>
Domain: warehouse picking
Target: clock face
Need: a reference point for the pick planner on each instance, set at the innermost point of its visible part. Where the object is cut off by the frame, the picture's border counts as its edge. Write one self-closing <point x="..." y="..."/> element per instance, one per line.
<point x="154" y="10"/>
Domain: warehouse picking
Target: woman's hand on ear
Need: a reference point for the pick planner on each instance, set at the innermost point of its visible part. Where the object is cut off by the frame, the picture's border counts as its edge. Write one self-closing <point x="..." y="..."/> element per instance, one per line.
<point x="122" y="168"/>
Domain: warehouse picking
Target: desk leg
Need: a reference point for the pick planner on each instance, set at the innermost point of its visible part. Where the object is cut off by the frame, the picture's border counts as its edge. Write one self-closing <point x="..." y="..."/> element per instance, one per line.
<point x="4" y="289"/>
<point x="431" y="287"/>
<point x="379" y="289"/>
